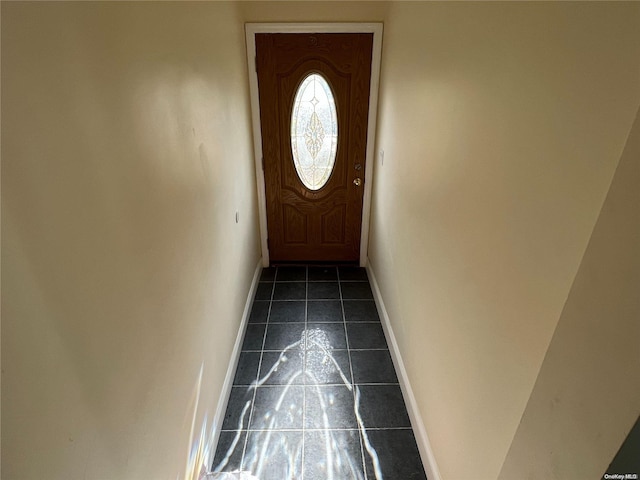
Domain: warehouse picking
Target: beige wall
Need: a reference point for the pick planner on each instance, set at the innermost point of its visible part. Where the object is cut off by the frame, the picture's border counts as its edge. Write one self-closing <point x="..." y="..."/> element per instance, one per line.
<point x="313" y="11"/>
<point x="502" y="125"/>
<point x="574" y="423"/>
<point x="126" y="151"/>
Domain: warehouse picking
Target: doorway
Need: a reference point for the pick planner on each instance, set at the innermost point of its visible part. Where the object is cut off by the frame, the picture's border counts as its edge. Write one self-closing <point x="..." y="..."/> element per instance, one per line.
<point x="314" y="100"/>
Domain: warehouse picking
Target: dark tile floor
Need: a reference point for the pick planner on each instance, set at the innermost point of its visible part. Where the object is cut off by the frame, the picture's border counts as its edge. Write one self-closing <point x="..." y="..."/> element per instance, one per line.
<point x="315" y="395"/>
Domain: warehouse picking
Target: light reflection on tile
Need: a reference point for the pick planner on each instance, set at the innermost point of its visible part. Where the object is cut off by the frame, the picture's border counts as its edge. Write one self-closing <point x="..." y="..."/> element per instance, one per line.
<point x="334" y="332"/>
<point x="332" y="454"/>
<point x="329" y="407"/>
<point x="282" y="368"/>
<point x="278" y="407"/>
<point x="323" y="369"/>
<point x="399" y="456"/>
<point x="302" y="416"/>
<point x="274" y="455"/>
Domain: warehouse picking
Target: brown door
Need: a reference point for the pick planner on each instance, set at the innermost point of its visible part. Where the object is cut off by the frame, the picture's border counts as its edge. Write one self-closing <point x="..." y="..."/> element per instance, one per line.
<point x="314" y="181"/>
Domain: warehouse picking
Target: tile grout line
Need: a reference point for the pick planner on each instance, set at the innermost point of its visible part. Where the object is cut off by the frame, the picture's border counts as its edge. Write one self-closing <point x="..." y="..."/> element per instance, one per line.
<point x="366" y="384"/>
<point x="351" y="434"/>
<point x="317" y="281"/>
<point x="317" y="299"/>
<point x="353" y="384"/>
<point x="304" y="368"/>
<point x="255" y="391"/>
<point x="344" y="429"/>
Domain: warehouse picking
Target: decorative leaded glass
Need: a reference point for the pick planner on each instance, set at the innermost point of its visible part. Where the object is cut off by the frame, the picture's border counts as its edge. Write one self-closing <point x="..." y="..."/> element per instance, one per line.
<point x="314" y="131"/>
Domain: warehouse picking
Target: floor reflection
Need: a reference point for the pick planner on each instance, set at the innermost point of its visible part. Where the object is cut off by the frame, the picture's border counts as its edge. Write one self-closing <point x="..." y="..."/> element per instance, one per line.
<point x="329" y="440"/>
<point x="315" y="393"/>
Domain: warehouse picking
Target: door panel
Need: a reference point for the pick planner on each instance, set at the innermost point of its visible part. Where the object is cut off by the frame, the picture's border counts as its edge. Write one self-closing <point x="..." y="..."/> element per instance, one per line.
<point x="305" y="224"/>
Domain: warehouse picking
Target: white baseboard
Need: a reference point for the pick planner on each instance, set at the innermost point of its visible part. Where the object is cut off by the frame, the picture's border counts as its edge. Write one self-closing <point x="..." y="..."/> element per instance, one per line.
<point x="233" y="364"/>
<point x="424" y="446"/>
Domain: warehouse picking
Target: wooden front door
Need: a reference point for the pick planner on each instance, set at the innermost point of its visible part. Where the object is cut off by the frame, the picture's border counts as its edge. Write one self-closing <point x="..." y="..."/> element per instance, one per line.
<point x="314" y="181"/>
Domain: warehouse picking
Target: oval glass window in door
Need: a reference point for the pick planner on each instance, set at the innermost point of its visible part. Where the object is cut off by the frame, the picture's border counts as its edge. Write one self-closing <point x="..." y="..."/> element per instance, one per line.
<point x="314" y="131"/>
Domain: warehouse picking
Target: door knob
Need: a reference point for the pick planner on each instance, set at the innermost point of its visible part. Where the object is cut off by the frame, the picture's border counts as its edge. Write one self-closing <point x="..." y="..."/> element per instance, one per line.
<point x="357" y="182"/>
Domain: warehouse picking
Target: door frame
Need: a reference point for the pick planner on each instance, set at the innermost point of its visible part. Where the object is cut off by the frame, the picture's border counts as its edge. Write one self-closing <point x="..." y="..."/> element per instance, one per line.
<point x="251" y="29"/>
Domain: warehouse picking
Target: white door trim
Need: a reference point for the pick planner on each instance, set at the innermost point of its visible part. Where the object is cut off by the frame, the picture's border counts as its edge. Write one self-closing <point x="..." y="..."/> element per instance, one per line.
<point x="251" y="29"/>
